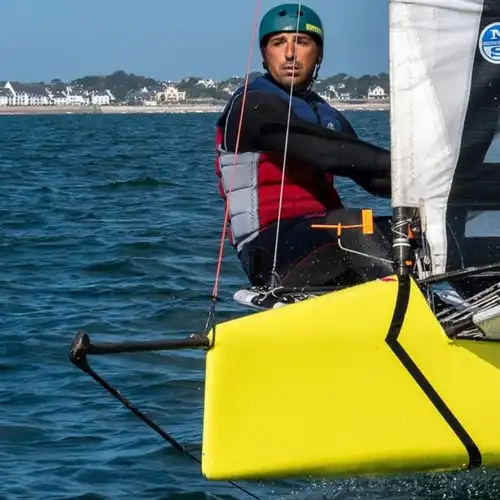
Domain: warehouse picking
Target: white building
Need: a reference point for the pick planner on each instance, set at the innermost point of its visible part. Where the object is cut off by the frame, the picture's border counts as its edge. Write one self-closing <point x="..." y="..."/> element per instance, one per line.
<point x="21" y="94"/>
<point x="77" y="100"/>
<point x="377" y="92"/>
<point x="171" y="94"/>
<point x="28" y="94"/>
<point x="76" y="97"/>
<point x="101" y="98"/>
<point x="207" y="83"/>
<point x="6" y="97"/>
<point x="59" y="98"/>
<point x="332" y="93"/>
<point x="230" y="89"/>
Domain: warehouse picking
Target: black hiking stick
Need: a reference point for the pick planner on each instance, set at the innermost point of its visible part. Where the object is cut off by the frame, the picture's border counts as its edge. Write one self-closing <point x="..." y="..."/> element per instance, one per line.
<point x="82" y="346"/>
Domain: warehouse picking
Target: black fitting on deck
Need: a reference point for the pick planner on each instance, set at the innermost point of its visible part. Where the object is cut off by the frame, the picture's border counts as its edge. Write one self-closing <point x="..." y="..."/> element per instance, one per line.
<point x="401" y="247"/>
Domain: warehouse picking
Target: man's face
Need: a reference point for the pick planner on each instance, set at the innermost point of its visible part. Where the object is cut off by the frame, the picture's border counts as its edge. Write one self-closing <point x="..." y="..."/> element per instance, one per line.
<point x="291" y="57"/>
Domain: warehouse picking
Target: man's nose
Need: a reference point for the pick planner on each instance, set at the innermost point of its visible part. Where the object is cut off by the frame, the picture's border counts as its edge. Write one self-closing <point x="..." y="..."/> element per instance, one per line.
<point x="290" y="51"/>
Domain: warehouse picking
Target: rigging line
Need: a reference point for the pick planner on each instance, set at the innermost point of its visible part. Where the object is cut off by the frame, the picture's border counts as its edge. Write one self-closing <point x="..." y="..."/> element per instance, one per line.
<point x="226" y="212"/>
<point x="78" y="356"/>
<point x="342" y="247"/>
<point x="274" y="275"/>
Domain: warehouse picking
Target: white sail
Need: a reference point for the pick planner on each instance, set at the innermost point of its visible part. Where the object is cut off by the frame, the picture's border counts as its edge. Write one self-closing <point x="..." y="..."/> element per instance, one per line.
<point x="444" y="58"/>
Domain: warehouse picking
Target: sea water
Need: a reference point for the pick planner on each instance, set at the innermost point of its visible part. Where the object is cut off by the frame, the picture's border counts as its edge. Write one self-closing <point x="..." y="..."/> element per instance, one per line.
<point x="111" y="225"/>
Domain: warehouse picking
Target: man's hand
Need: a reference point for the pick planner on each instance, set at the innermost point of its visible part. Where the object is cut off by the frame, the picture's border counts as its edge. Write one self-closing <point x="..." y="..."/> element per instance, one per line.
<point x="377" y="186"/>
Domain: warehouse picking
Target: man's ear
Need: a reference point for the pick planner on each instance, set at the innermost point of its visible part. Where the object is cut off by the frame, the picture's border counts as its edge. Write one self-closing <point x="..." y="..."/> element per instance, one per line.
<point x="320" y="56"/>
<point x="263" y="55"/>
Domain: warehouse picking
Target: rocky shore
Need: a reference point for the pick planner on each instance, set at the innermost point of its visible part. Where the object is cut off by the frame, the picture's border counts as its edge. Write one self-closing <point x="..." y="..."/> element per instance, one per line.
<point x="175" y="108"/>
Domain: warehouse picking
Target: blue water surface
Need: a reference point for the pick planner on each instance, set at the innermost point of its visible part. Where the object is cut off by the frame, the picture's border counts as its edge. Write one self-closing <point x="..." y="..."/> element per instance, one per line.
<point x="111" y="225"/>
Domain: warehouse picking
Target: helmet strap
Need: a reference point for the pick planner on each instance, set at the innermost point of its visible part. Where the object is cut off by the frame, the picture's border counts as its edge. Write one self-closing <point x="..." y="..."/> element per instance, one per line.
<point x="315" y="75"/>
<point x="263" y="56"/>
<point x="316" y="69"/>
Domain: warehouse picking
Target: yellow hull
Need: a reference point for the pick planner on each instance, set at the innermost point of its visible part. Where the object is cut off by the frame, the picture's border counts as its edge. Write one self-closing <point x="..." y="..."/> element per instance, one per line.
<point x="343" y="385"/>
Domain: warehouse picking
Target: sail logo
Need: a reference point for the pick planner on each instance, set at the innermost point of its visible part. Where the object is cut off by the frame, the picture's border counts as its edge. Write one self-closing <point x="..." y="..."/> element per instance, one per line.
<point x="489" y="43"/>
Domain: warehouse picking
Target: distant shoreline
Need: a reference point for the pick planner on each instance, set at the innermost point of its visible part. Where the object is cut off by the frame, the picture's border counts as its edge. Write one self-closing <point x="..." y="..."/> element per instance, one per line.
<point x="358" y="105"/>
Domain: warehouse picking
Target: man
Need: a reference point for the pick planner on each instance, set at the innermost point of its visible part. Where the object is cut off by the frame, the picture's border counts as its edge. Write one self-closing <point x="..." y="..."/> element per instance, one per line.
<point x="319" y="142"/>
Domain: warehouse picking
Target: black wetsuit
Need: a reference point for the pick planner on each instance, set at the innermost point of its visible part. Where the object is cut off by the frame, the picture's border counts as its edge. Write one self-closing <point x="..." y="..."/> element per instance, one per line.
<point x="309" y="256"/>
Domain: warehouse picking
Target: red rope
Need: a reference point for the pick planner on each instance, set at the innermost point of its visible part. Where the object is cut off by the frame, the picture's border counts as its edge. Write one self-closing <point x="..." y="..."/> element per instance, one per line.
<point x="226" y="215"/>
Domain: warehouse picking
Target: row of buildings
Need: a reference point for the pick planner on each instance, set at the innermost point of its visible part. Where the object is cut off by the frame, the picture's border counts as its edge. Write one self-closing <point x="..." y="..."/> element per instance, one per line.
<point x="168" y="93"/>
<point x="21" y="94"/>
<point x="28" y="94"/>
<point x="156" y="95"/>
<point x="336" y="92"/>
<point x="339" y="92"/>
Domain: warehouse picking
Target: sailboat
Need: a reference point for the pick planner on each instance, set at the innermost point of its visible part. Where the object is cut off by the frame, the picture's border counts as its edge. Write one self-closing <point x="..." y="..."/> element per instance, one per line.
<point x="399" y="374"/>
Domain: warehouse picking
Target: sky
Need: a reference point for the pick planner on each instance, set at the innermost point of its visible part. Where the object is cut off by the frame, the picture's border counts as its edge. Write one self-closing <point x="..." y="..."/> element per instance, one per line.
<point x="171" y="39"/>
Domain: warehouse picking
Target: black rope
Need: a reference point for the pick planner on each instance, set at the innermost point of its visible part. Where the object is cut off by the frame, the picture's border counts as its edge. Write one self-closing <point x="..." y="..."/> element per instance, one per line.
<point x="459" y="273"/>
<point x="78" y="356"/>
<point x="211" y="316"/>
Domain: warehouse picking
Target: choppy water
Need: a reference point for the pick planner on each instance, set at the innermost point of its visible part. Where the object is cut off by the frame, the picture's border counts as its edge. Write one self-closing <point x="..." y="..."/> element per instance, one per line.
<point x="111" y="224"/>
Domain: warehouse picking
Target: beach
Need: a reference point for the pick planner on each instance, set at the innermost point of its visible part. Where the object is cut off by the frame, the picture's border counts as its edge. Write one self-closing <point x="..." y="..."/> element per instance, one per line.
<point x="358" y="105"/>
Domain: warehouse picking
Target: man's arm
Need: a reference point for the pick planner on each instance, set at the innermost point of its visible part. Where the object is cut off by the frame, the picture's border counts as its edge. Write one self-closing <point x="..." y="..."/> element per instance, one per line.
<point x="377" y="186"/>
<point x="264" y="127"/>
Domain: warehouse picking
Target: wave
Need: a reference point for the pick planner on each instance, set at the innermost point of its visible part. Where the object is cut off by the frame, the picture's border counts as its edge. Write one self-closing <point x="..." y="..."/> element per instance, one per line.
<point x="137" y="183"/>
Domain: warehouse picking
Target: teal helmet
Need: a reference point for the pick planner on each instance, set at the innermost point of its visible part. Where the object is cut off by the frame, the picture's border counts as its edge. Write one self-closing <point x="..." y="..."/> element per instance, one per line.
<point x="283" y="18"/>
